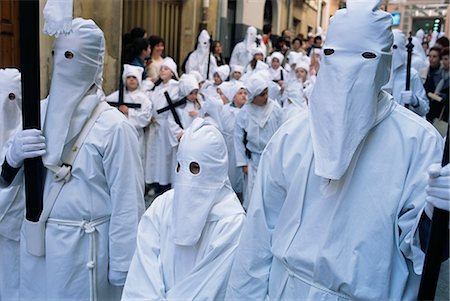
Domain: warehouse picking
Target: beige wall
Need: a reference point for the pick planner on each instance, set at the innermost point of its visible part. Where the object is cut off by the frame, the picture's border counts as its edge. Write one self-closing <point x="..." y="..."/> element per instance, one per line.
<point x="190" y="21"/>
<point x="250" y="12"/>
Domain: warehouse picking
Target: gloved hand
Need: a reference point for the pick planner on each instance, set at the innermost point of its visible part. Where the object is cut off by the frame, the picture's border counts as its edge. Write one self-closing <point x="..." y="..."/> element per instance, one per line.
<point x="25" y="144"/>
<point x="407" y="98"/>
<point x="438" y="190"/>
<point x="117" y="278"/>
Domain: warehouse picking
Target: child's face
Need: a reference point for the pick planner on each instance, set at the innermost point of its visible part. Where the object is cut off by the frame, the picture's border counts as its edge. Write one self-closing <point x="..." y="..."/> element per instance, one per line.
<point x="192" y="96"/>
<point x="240" y="98"/>
<point x="165" y="73"/>
<point x="131" y="83"/>
<point x="301" y="74"/>
<point x="217" y="79"/>
<point x="275" y="63"/>
<point x="237" y="75"/>
<point x="261" y="99"/>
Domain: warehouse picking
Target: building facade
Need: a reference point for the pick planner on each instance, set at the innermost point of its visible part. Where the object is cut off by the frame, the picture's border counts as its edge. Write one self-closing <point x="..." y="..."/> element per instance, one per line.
<point x="179" y="22"/>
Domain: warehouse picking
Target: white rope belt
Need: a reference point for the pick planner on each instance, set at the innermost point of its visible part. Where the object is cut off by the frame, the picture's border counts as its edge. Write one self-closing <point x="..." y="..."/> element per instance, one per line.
<point x="311" y="283"/>
<point x="89" y="228"/>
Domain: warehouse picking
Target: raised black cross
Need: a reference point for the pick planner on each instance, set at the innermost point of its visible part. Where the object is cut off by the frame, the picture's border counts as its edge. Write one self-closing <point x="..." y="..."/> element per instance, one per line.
<point x="171" y="106"/>
<point x="120" y="101"/>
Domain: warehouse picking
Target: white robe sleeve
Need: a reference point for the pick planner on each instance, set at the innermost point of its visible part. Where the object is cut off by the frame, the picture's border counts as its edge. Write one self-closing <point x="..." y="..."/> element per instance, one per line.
<point x="125" y="179"/>
<point x="209" y="277"/>
<point x="419" y="94"/>
<point x="250" y="272"/>
<point x="145" y="280"/>
<point x="190" y="64"/>
<point x="239" y="147"/>
<point x="140" y="118"/>
<point x="413" y="198"/>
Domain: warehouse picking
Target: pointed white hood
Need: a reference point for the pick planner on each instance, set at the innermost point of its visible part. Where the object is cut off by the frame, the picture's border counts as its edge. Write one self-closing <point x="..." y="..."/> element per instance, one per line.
<point x="355" y="65"/>
<point x="10" y="104"/>
<point x="196" y="194"/>
<point x="77" y="70"/>
<point x="250" y="37"/>
<point x="399" y="57"/>
<point x="203" y="42"/>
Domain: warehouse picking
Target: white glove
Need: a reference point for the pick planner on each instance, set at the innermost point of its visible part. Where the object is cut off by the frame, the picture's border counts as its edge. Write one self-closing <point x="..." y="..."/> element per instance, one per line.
<point x="438" y="190"/>
<point x="407" y="98"/>
<point x="117" y="278"/>
<point x="25" y="144"/>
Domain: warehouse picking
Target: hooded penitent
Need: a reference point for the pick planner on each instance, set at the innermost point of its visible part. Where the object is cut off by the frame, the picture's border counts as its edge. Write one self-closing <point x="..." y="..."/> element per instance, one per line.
<point x="134" y="71"/>
<point x="398" y="57"/>
<point x="76" y="80"/>
<point x="355" y="65"/>
<point x="10" y="104"/>
<point x="196" y="194"/>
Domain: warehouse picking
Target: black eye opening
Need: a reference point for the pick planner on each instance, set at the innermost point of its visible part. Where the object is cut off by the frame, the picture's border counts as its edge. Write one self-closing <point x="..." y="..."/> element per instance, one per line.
<point x="178" y="167"/>
<point x="53" y="52"/>
<point x="369" y="55"/>
<point x="194" y="168"/>
<point x="328" y="51"/>
<point x="394" y="46"/>
<point x="11" y="96"/>
<point x="68" y="55"/>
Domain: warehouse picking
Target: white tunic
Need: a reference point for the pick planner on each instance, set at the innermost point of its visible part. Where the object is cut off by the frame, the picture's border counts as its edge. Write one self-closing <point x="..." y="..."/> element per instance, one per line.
<point x="308" y="239"/>
<point x="160" y="143"/>
<point x="228" y="122"/>
<point x="162" y="270"/>
<point x="259" y="131"/>
<point x="106" y="186"/>
<point x="12" y="206"/>
<point x="241" y="54"/>
<point x="199" y="62"/>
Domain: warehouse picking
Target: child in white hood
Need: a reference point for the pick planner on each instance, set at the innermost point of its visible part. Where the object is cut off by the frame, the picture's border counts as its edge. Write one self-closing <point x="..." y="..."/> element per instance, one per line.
<point x="133" y="94"/>
<point x="256" y="122"/>
<point x="188" y="93"/>
<point x="220" y="75"/>
<point x="161" y="145"/>
<point x="236" y="93"/>
<point x="187" y="238"/>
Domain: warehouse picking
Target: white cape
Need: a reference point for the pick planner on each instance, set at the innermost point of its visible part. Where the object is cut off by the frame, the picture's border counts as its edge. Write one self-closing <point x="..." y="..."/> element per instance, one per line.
<point x="162" y="270"/>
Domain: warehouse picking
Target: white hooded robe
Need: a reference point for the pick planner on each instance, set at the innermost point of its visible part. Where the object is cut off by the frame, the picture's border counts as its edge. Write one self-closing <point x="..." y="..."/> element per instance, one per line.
<point x="300" y="243"/>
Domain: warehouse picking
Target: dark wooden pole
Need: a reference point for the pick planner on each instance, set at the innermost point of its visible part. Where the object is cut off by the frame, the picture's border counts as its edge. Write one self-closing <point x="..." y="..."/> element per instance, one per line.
<point x="29" y="61"/>
<point x="409" y="49"/>
<point x="436" y="245"/>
